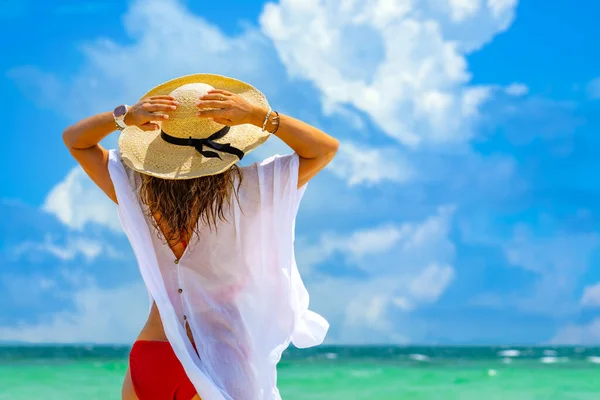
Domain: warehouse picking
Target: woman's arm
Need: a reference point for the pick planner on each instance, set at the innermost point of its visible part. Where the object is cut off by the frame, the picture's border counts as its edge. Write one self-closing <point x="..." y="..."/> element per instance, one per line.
<point x="83" y="138"/>
<point x="315" y="148"/>
<point x="82" y="141"/>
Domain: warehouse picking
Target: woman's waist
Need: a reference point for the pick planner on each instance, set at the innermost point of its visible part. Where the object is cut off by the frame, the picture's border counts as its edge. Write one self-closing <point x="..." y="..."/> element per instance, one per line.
<point x="153" y="329"/>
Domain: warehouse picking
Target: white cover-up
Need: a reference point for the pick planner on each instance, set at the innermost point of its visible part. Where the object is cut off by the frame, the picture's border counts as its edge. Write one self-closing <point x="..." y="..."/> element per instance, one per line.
<point x="238" y="287"/>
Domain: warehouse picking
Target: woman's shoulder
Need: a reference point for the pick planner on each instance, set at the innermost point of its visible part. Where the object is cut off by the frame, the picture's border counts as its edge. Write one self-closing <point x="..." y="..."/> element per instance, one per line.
<point x="272" y="182"/>
<point x="271" y="167"/>
<point x="262" y="173"/>
<point x="118" y="168"/>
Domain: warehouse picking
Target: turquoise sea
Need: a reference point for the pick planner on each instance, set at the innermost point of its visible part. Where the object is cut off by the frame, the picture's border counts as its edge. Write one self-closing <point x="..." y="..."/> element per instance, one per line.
<point x="331" y="373"/>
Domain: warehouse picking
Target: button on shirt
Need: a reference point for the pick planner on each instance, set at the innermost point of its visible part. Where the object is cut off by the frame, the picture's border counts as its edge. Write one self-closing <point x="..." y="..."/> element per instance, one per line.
<point x="238" y="287"/>
<point x="171" y="271"/>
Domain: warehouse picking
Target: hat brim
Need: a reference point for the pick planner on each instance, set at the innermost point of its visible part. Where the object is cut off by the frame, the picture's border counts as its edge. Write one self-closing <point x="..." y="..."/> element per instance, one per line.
<point x="147" y="153"/>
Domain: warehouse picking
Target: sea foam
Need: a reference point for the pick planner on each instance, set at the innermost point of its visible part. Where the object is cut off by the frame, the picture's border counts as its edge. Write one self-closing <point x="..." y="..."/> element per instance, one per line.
<point x="509" y="353"/>
<point x="419" y="357"/>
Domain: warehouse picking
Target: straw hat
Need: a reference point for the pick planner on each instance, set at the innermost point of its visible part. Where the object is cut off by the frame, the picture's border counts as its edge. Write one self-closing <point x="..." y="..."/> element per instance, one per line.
<point x="186" y="146"/>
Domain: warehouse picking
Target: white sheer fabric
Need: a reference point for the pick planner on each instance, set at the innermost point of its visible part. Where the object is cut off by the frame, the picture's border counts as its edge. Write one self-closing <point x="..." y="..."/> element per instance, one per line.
<point x="238" y="287"/>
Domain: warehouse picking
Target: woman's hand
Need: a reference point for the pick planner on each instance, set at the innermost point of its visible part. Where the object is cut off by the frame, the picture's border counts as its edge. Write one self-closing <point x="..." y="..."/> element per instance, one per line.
<point x="150" y="109"/>
<point x="229" y="109"/>
<point x="314" y="147"/>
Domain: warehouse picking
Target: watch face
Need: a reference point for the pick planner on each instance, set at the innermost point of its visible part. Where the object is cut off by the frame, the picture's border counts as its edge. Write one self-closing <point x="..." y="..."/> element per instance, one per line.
<point x="120" y="111"/>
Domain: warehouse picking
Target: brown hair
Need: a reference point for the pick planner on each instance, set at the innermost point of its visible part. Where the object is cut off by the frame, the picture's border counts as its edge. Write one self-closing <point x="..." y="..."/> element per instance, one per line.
<point x="180" y="204"/>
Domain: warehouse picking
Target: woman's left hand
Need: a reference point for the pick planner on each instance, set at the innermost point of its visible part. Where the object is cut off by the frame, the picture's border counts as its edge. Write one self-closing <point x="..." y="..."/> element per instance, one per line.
<point x="229" y="109"/>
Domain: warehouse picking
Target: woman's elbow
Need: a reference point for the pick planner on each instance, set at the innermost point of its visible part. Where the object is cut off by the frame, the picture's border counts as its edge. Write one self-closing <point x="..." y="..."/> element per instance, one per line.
<point x="332" y="148"/>
<point x="67" y="138"/>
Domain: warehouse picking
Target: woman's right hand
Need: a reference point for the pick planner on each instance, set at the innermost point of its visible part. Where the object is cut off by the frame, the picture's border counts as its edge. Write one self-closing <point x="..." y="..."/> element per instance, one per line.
<point x="145" y="111"/>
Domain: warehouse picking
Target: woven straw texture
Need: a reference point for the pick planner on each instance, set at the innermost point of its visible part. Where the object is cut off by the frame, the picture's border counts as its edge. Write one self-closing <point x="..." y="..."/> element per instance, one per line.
<point x="146" y="152"/>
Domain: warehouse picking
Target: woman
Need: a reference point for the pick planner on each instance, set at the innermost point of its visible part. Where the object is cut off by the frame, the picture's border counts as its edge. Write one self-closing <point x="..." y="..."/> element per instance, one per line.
<point x="214" y="241"/>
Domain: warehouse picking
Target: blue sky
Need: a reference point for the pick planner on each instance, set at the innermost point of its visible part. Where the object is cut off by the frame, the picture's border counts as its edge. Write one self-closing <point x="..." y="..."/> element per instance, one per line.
<point x="462" y="207"/>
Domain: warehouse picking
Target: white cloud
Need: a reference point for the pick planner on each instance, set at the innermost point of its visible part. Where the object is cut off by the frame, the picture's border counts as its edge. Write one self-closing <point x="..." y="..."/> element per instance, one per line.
<point x="154" y="26"/>
<point x="148" y="58"/>
<point x="555" y="261"/>
<point x="401" y="62"/>
<point x="355" y="120"/>
<point x="202" y="47"/>
<point x="593" y="89"/>
<point x="587" y="334"/>
<point x="557" y="253"/>
<point x="410" y="261"/>
<point x="402" y="267"/>
<point x="359" y="164"/>
<point x="463" y="9"/>
<point x="516" y="89"/>
<point x="363" y="243"/>
<point x="500" y="7"/>
<point x="100" y="316"/>
<point x="77" y="201"/>
<point x="558" y="262"/>
<point x="429" y="285"/>
<point x="591" y="296"/>
<point x="412" y="244"/>
<point x="359" y="311"/>
<point x="360" y="244"/>
<point x="74" y="246"/>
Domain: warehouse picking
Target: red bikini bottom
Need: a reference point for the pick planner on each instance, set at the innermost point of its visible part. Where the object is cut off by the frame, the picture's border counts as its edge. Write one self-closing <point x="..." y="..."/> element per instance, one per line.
<point x="157" y="373"/>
